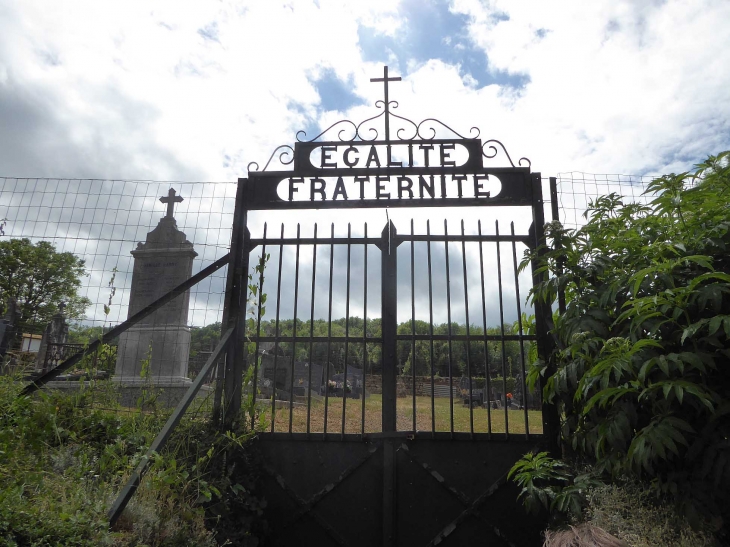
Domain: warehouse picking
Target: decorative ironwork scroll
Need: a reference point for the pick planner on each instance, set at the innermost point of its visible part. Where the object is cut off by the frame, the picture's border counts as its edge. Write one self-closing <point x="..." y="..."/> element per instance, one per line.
<point x="402" y="163"/>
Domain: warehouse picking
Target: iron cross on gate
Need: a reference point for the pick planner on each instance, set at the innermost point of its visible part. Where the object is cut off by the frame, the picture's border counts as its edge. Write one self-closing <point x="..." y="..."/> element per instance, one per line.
<point x="385" y="81"/>
<point x="170" y="199"/>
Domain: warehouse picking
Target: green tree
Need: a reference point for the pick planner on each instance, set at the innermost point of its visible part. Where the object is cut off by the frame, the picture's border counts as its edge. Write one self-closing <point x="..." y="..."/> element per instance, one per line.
<point x="204" y="338"/>
<point x="39" y="278"/>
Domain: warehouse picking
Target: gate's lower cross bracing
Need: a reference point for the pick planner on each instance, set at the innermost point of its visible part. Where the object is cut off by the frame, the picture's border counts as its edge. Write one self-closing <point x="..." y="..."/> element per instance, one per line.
<point x="328" y="493"/>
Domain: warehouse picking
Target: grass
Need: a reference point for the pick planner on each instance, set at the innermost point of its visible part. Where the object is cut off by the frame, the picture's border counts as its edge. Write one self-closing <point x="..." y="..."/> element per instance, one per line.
<point x="65" y="455"/>
<point x="440" y="420"/>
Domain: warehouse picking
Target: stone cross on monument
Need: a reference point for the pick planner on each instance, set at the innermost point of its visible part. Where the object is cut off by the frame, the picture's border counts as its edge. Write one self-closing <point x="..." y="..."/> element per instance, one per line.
<point x="161" y="263"/>
<point x="171" y="200"/>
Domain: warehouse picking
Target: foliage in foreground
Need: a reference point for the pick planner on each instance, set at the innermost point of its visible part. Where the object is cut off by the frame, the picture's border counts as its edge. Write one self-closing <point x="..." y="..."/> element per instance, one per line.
<point x="63" y="460"/>
<point x="627" y="510"/>
<point x="642" y="366"/>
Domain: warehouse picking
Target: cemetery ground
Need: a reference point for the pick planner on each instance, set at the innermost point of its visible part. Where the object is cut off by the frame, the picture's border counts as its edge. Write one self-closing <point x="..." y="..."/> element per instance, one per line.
<point x="515" y="418"/>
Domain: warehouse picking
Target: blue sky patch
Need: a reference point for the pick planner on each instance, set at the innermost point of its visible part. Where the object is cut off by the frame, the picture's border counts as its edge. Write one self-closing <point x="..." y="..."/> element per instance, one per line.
<point x="310" y="127"/>
<point x="334" y="93"/>
<point x="210" y="32"/>
<point x="431" y="31"/>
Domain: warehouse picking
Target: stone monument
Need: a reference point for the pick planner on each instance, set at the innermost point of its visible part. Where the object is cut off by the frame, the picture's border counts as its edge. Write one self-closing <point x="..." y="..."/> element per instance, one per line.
<point x="55" y="335"/>
<point x="156" y="350"/>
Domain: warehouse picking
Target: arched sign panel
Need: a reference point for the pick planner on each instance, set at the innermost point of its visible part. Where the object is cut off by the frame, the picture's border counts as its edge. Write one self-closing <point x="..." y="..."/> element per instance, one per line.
<point x="414" y="169"/>
<point x="409" y="173"/>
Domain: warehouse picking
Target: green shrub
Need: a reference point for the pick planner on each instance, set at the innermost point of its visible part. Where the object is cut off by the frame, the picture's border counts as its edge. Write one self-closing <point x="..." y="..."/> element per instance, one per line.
<point x="641" y="367"/>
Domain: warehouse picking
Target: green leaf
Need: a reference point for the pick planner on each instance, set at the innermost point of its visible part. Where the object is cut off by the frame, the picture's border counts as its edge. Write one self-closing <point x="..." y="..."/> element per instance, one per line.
<point x="718" y="276"/>
<point x="679" y="392"/>
<point x="663" y="365"/>
<point x="714" y="324"/>
<point x="638" y="278"/>
<point x="701" y="260"/>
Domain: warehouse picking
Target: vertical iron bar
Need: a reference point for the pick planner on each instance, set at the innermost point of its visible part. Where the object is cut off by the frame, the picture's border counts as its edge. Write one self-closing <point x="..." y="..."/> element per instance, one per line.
<point x="487" y="383"/>
<point x="232" y="297"/>
<point x="413" y="327"/>
<point x="543" y="317"/>
<point x="311" y="330"/>
<point x="276" y="329"/>
<point x="294" y="332"/>
<point x="258" y="327"/>
<point x="230" y="370"/>
<point x="389" y="301"/>
<point x="556" y="216"/>
<point x="237" y="358"/>
<point x="519" y="324"/>
<point x="386" y="106"/>
<point x="347" y="328"/>
<point x="468" y="339"/>
<point x="554" y="209"/>
<point x="430" y="327"/>
<point x="501" y="321"/>
<point x="364" y="327"/>
<point x="329" y="330"/>
<point x="389" y="493"/>
<point x="448" y="313"/>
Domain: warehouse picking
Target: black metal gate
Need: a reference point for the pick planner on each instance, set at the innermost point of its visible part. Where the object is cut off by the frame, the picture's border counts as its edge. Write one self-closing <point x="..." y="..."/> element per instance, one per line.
<point x="363" y="445"/>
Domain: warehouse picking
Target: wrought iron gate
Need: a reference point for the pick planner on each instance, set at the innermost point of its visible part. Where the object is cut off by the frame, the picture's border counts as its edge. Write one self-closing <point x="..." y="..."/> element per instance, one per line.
<point x="335" y="474"/>
<point x="394" y="480"/>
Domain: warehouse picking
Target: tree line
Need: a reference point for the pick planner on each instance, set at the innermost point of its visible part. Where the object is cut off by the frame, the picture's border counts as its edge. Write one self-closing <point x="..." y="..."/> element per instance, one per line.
<point x="501" y="358"/>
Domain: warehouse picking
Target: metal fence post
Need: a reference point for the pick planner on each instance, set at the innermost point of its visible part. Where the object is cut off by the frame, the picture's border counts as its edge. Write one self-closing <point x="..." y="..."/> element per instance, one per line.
<point x="389" y="302"/>
<point x="543" y="318"/>
<point x="556" y="217"/>
<point x="227" y="402"/>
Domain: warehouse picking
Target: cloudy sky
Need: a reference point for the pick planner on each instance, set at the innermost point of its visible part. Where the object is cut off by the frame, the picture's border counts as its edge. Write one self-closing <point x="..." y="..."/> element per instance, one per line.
<point x="195" y="91"/>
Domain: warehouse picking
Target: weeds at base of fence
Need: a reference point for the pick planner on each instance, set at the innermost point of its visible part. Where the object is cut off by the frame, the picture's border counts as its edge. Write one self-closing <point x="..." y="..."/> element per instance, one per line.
<point x="63" y="459"/>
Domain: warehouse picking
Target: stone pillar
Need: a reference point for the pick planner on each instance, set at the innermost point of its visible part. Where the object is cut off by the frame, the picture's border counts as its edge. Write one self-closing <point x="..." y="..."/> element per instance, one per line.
<point x="161" y="263"/>
<point x="7" y="327"/>
<point x="56" y="333"/>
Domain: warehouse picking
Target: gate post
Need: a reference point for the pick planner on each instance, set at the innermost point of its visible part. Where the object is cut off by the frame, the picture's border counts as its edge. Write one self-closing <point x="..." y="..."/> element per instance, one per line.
<point x="556" y="216"/>
<point x="389" y="325"/>
<point x="543" y="318"/>
<point x="227" y="402"/>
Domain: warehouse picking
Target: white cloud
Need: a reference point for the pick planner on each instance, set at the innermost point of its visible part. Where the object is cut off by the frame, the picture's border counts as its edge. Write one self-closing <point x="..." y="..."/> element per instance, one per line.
<point x="615" y="86"/>
<point x="196" y="91"/>
<point x="171" y="90"/>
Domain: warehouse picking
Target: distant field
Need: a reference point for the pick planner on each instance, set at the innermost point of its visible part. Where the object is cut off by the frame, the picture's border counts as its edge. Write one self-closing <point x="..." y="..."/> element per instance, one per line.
<point x="373" y="417"/>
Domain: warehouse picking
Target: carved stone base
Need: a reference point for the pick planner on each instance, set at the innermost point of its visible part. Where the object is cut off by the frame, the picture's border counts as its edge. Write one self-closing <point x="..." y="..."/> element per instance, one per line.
<point x="166" y="347"/>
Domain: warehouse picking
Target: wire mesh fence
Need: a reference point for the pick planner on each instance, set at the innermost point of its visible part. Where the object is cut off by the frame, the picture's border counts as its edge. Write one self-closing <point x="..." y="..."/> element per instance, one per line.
<point x="100" y="235"/>
<point x="70" y="252"/>
<point x="576" y="190"/>
<point x="78" y="257"/>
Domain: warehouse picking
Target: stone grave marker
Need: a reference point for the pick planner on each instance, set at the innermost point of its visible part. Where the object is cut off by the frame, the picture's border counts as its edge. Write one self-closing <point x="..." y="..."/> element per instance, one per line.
<point x="161" y="340"/>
